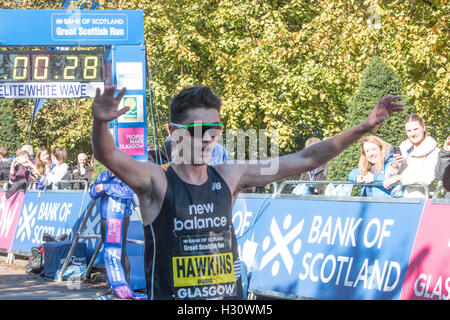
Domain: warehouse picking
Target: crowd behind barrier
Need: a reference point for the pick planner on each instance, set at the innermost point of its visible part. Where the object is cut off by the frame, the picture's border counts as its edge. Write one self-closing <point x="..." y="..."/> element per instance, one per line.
<point x="330" y="255"/>
<point x="289" y="250"/>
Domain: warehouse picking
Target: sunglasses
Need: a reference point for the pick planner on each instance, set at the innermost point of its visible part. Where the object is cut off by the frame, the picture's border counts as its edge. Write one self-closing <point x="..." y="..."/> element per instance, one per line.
<point x="213" y="129"/>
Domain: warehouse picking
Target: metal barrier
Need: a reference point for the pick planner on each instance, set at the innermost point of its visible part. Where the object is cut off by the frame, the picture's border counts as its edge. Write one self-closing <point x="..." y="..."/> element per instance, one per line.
<point x="325" y="183"/>
<point x="31" y="188"/>
<point x="79" y="235"/>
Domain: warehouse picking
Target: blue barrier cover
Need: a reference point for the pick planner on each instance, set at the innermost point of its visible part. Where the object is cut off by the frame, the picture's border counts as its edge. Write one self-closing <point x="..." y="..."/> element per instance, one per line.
<point x="55" y="255"/>
<point x="330" y="249"/>
<point x="53" y="212"/>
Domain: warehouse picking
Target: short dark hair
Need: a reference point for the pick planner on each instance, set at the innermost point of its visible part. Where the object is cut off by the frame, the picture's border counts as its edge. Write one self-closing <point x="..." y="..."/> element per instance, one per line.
<point x="192" y="98"/>
<point x="60" y="154"/>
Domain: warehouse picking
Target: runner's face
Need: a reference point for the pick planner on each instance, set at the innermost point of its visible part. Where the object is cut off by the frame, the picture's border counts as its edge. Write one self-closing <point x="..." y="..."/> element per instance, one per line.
<point x="200" y="147"/>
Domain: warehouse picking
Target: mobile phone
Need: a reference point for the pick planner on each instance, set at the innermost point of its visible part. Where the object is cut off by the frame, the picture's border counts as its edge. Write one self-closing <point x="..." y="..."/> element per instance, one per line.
<point x="397" y="150"/>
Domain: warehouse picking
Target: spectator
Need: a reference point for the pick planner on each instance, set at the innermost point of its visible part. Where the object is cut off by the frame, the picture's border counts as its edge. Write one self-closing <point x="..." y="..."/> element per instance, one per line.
<point x="219" y="155"/>
<point x="82" y="171"/>
<point x="417" y="161"/>
<point x="59" y="172"/>
<point x="22" y="168"/>
<point x="43" y="162"/>
<point x="446" y="179"/>
<point x="44" y="165"/>
<point x="376" y="155"/>
<point x="105" y="186"/>
<point x="443" y="165"/>
<point x="157" y="156"/>
<point x="5" y="164"/>
<point x="29" y="149"/>
<point x="21" y="173"/>
<point x="318" y="174"/>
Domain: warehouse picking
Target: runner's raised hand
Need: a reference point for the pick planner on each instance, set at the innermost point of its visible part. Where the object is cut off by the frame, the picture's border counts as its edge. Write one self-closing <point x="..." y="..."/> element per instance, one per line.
<point x="381" y="111"/>
<point x="105" y="105"/>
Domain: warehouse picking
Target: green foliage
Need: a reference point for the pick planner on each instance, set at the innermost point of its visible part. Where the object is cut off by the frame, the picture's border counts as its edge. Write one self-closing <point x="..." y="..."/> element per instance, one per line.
<point x="290" y="66"/>
<point x="10" y="136"/>
<point x="377" y="81"/>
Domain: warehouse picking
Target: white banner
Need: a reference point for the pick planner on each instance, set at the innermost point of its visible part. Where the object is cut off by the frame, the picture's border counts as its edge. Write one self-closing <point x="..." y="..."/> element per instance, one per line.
<point x="49" y="90"/>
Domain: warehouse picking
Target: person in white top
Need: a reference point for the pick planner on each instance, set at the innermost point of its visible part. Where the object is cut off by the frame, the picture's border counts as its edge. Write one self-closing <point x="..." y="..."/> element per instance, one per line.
<point x="60" y="171"/>
<point x="417" y="161"/>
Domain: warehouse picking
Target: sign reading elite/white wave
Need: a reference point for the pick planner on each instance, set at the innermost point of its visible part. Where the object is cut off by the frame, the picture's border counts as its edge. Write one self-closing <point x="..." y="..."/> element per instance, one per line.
<point x="33" y="90"/>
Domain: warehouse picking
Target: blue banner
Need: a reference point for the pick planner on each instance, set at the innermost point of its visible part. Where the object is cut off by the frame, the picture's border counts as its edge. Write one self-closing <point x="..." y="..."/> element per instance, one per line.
<point x="113" y="250"/>
<point x="53" y="212"/>
<point x="71" y="27"/>
<point x="357" y="250"/>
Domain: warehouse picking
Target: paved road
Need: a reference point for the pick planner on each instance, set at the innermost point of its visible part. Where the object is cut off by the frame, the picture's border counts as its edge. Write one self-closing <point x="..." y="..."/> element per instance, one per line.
<point x="16" y="284"/>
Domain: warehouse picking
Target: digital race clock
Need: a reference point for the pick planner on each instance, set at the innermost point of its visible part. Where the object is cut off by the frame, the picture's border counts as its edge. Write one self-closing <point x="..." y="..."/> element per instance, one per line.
<point x="50" y="73"/>
<point x="54" y="66"/>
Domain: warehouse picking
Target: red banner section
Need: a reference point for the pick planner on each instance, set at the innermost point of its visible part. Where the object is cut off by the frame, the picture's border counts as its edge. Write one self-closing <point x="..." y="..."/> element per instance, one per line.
<point x="428" y="275"/>
<point x="9" y="215"/>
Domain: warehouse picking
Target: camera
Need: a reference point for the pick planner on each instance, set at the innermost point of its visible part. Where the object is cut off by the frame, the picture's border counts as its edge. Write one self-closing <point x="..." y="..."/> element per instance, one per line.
<point x="397" y="150"/>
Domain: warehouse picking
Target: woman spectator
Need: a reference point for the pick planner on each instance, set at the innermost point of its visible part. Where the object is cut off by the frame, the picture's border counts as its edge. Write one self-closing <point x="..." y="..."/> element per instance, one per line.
<point x="21" y="173"/>
<point x="22" y="168"/>
<point x="376" y="155"/>
<point x="82" y="171"/>
<point x="59" y="172"/>
<point x="44" y="165"/>
<point x="417" y="161"/>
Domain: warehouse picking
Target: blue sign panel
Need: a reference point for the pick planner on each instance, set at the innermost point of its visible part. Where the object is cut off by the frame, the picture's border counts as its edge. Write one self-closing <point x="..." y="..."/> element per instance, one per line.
<point x="69" y="27"/>
<point x="92" y="26"/>
<point x="53" y="212"/>
<point x="357" y="250"/>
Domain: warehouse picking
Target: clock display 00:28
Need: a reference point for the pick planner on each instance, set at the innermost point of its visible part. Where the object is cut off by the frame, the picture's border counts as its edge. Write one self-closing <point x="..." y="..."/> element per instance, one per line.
<point x="55" y="66"/>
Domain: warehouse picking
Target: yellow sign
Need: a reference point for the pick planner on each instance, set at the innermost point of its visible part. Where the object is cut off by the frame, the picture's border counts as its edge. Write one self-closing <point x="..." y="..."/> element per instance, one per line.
<point x="203" y="270"/>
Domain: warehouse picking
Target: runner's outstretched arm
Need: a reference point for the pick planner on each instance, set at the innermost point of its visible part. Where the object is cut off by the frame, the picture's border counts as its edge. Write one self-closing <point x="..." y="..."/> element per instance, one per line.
<point x="319" y="153"/>
<point x="132" y="172"/>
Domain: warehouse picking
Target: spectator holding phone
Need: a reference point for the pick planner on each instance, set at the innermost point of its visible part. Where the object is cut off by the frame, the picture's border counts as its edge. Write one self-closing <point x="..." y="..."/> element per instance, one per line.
<point x="416" y="162"/>
<point x="21" y="173"/>
<point x="376" y="155"/>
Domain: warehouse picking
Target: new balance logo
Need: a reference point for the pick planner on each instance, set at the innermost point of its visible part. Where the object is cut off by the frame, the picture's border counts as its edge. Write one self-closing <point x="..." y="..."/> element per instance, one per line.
<point x="216" y="186"/>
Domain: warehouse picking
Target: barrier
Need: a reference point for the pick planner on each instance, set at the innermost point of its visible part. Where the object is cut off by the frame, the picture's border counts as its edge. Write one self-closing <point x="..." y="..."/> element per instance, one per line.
<point x="428" y="275"/>
<point x="350" y="252"/>
<point x="293" y="246"/>
<point x="10" y="210"/>
<point x="53" y="212"/>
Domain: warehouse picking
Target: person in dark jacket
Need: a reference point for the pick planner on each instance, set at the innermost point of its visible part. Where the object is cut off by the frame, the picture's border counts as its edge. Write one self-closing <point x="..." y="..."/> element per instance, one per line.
<point x="5" y="164"/>
<point x="106" y="185"/>
<point x="82" y="171"/>
<point x="443" y="166"/>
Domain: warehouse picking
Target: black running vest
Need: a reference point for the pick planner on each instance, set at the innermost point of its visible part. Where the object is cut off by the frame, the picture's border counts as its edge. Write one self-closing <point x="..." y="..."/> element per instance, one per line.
<point x="191" y="249"/>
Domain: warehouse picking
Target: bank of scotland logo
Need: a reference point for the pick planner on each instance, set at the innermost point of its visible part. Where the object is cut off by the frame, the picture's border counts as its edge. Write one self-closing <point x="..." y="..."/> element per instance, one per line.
<point x="26" y="221"/>
<point x="281" y="245"/>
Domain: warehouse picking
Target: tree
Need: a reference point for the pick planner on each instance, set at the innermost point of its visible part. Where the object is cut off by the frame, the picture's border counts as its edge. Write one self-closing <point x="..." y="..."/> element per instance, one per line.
<point x="10" y="133"/>
<point x="290" y="66"/>
<point x="377" y="81"/>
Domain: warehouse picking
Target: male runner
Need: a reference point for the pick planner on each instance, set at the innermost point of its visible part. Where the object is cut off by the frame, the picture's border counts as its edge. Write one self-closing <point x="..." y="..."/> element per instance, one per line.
<point x="190" y="245"/>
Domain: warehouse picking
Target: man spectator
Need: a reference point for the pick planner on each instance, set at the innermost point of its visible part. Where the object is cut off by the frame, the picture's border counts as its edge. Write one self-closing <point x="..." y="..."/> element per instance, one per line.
<point x="82" y="171"/>
<point x="442" y="168"/>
